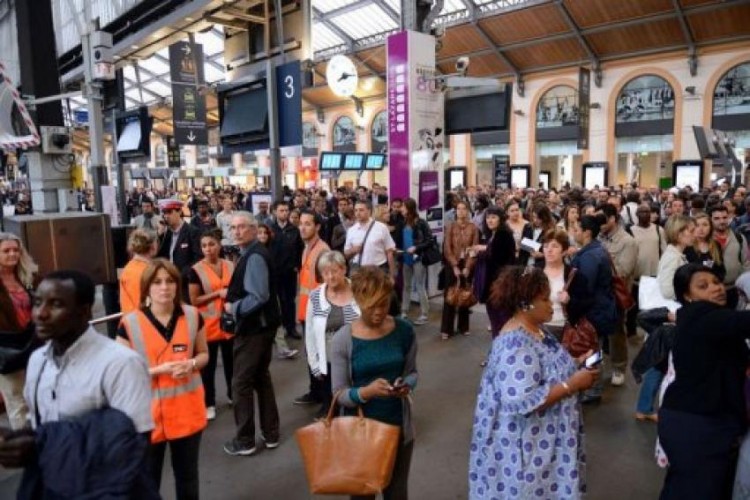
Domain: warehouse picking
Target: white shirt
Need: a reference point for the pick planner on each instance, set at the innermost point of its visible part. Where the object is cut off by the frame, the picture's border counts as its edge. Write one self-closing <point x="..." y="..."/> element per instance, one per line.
<point x="95" y="372"/>
<point x="556" y="286"/>
<point x="378" y="243"/>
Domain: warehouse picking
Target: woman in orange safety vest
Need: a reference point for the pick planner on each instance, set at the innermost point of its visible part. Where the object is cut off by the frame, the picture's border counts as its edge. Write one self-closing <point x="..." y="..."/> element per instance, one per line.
<point x="170" y="337"/>
<point x="209" y="281"/>
<point x="142" y="245"/>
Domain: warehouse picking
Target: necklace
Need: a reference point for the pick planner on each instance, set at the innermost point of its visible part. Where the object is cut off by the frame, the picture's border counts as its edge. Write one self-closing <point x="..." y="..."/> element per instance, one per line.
<point x="534" y="331"/>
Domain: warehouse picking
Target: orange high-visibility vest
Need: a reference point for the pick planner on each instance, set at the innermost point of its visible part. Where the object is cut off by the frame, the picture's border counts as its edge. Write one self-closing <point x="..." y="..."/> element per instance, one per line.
<point x="307" y="280"/>
<point x="211" y="311"/>
<point x="130" y="285"/>
<point x="177" y="405"/>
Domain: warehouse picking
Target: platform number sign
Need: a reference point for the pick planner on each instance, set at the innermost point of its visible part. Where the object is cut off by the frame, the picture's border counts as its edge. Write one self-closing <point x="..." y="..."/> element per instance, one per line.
<point x="289" y="102"/>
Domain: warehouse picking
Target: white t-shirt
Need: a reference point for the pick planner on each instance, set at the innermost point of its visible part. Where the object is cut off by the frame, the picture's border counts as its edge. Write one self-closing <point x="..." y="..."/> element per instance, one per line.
<point x="556" y="286"/>
<point x="378" y="243"/>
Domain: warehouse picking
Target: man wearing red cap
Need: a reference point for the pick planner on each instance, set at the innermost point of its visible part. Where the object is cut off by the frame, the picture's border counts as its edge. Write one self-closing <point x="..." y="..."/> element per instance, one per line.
<point x="181" y="242"/>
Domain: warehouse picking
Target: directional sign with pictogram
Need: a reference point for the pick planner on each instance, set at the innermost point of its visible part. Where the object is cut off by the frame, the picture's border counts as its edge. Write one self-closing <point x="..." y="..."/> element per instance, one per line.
<point x="188" y="102"/>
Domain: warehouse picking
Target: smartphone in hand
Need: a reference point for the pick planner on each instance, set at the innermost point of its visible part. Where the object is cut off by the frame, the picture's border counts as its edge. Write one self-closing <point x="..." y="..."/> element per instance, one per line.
<point x="594" y="360"/>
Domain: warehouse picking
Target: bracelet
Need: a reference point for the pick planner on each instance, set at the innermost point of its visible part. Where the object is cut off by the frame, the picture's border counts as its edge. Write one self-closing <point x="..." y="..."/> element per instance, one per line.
<point x="195" y="363"/>
<point x="359" y="395"/>
<point x="567" y="388"/>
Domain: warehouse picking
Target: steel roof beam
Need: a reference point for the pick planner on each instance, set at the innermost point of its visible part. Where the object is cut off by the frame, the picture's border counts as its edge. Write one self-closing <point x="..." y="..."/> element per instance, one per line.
<point x="520" y="87"/>
<point x="395" y="16"/>
<point x="350" y="42"/>
<point x="692" y="55"/>
<point x="325" y="16"/>
<point x="483" y="13"/>
<point x="596" y="65"/>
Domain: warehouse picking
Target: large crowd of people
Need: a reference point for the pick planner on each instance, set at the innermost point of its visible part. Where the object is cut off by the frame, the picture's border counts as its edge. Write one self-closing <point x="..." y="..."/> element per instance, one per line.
<point x="213" y="274"/>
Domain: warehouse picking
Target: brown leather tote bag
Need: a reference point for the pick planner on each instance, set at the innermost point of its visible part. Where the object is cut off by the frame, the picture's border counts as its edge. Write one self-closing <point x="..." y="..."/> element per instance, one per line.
<point x="348" y="455"/>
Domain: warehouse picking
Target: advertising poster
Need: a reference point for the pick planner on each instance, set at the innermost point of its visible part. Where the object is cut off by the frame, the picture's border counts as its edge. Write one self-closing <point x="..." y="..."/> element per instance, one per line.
<point x="429" y="190"/>
<point x="397" y="100"/>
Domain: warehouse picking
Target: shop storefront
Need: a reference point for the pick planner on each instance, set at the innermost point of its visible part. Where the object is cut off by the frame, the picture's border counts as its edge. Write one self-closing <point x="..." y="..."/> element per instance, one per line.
<point x="558" y="158"/>
<point x="644" y="132"/>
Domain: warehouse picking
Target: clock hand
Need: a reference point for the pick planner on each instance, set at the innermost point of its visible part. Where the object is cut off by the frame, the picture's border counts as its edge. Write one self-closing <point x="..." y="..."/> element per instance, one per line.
<point x="344" y="76"/>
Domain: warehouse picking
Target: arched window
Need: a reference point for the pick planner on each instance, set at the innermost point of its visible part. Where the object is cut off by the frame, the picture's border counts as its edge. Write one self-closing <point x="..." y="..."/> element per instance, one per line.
<point x="379" y="133"/>
<point x="558" y="107"/>
<point x="344" y="135"/>
<point x="732" y="93"/>
<point x="310" y="142"/>
<point x="645" y="98"/>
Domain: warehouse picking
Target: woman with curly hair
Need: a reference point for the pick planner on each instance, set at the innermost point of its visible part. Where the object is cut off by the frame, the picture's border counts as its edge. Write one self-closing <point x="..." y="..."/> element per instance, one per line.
<point x="527" y="440"/>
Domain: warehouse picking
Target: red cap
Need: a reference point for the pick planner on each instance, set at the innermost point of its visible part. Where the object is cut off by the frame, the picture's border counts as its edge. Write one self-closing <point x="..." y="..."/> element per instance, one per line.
<point x="170" y="205"/>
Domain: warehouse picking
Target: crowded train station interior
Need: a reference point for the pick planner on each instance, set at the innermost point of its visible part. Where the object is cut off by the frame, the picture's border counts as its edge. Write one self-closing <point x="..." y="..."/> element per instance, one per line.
<point x="427" y="249"/>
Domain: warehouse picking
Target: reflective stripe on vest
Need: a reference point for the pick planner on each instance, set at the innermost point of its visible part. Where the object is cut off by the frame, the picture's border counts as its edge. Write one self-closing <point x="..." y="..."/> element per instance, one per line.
<point x="211" y="311"/>
<point x="177" y="405"/>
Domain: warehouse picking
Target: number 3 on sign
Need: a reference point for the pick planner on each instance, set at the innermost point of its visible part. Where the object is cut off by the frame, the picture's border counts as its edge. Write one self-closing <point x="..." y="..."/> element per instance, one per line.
<point x="289" y="90"/>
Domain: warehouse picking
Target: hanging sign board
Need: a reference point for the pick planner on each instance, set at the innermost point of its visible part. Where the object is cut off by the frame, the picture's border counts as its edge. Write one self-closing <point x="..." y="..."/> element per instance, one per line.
<point x="188" y="103"/>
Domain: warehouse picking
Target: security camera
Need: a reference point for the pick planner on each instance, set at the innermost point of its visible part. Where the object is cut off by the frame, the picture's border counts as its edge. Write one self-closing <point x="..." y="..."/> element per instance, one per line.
<point x="462" y="65"/>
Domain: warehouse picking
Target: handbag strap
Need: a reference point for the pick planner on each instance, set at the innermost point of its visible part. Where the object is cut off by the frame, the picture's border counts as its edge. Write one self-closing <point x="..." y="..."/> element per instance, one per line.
<point x="658" y="235"/>
<point x="362" y="252"/>
<point x="568" y="282"/>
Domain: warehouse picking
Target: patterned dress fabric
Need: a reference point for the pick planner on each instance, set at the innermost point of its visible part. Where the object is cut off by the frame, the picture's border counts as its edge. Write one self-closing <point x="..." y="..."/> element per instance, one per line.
<point x="518" y="451"/>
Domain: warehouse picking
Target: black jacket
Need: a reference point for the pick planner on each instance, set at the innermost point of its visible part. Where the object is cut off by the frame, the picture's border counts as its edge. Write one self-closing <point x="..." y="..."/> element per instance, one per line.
<point x="501" y="252"/>
<point x="710" y="358"/>
<point x="98" y="455"/>
<point x="287" y="248"/>
<point x="267" y="317"/>
<point x="187" y="251"/>
<point x="422" y="236"/>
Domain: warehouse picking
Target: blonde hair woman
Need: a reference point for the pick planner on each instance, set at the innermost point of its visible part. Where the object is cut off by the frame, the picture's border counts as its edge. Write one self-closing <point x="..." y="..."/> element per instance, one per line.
<point x="680" y="231"/>
<point x="17" y="271"/>
<point x="142" y="245"/>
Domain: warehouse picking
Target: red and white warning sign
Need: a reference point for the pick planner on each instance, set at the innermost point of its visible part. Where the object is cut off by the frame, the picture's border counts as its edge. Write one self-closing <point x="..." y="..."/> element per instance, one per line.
<point x="17" y="129"/>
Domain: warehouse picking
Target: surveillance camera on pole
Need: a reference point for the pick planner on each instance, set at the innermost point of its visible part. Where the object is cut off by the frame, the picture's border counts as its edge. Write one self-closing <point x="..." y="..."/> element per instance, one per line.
<point x="102" y="61"/>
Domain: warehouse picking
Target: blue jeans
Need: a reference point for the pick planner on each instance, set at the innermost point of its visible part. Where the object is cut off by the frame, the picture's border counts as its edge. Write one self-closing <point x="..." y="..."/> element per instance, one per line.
<point x="649" y="390"/>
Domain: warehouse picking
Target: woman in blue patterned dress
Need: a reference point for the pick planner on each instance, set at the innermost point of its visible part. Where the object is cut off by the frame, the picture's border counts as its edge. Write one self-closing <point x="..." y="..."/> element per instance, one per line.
<point x="527" y="440"/>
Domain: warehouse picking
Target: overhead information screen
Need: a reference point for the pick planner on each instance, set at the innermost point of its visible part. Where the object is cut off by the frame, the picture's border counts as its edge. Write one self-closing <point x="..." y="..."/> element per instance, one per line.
<point x="375" y="162"/>
<point x="354" y="161"/>
<point x="331" y="161"/>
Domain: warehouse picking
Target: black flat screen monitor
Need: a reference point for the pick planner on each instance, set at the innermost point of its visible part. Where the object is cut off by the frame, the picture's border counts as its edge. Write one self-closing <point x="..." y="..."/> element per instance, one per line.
<point x="331" y="161"/>
<point x="375" y="162"/>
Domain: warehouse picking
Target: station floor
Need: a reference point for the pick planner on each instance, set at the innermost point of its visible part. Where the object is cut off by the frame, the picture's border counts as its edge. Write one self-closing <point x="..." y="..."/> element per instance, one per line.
<point x="619" y="449"/>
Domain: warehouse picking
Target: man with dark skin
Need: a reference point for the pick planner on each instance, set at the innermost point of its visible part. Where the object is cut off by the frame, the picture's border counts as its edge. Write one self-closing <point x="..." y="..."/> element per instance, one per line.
<point x="61" y="312"/>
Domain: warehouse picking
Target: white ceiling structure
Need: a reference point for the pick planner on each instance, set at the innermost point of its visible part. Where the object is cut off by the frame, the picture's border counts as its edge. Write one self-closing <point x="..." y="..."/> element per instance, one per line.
<point x="339" y="26"/>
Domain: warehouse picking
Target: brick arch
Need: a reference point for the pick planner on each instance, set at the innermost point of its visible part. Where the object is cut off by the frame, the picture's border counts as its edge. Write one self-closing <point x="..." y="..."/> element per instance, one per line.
<point x="612" y="105"/>
<point x="557" y="82"/>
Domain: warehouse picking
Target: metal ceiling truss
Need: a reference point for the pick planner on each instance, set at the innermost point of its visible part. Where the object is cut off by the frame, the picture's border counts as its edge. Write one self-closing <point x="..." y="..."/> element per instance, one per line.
<point x="582" y="32"/>
<point x="596" y="66"/>
<point x="689" y="40"/>
<point x="472" y="9"/>
<point x="500" y="6"/>
<point x="350" y="42"/>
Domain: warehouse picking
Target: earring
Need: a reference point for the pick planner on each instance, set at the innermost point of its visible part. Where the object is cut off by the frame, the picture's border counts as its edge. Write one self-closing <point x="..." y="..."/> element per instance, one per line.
<point x="147" y="302"/>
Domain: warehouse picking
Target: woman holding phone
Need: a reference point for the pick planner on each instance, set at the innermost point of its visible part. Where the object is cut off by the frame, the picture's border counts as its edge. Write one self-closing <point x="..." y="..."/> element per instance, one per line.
<point x="527" y="440"/>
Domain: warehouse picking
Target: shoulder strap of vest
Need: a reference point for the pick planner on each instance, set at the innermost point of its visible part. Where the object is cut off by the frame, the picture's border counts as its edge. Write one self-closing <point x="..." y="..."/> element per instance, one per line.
<point x="201" y="271"/>
<point x="133" y="327"/>
<point x="191" y="316"/>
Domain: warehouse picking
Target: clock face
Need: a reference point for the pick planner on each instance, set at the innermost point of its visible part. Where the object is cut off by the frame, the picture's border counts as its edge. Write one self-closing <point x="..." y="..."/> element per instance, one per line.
<point x="341" y="74"/>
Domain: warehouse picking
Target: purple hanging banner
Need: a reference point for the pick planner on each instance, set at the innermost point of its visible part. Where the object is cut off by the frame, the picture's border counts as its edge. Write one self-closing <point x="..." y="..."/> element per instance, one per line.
<point x="398" y="115"/>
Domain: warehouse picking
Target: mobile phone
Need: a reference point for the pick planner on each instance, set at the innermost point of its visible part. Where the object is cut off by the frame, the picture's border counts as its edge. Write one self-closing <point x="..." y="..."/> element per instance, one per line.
<point x="594" y="360"/>
<point x="398" y="383"/>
